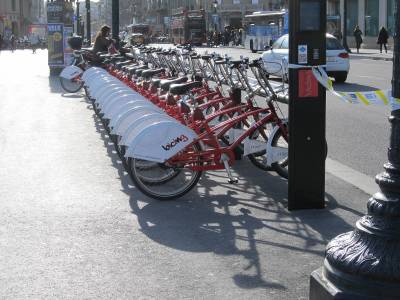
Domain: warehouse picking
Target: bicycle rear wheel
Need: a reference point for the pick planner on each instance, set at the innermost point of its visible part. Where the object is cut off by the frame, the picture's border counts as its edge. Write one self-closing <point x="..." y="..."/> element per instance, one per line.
<point x="259" y="159"/>
<point x="71" y="85"/>
<point x="162" y="181"/>
<point x="281" y="167"/>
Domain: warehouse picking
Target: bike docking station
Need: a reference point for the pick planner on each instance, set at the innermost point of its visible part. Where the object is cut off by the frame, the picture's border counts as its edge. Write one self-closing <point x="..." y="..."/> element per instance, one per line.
<point x="307" y="105"/>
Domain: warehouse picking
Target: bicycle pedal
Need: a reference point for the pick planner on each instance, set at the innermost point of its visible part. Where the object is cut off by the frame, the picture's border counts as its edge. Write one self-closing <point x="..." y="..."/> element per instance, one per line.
<point x="233" y="180"/>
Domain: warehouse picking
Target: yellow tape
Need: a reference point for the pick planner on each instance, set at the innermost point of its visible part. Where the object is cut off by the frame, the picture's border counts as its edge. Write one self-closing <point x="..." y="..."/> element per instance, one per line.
<point x="378" y="97"/>
<point x="383" y="97"/>
<point x="362" y="98"/>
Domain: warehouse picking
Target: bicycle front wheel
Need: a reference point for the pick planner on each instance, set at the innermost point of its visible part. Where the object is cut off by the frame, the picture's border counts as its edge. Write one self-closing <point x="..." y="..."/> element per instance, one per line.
<point x="71" y="85"/>
<point x="162" y="181"/>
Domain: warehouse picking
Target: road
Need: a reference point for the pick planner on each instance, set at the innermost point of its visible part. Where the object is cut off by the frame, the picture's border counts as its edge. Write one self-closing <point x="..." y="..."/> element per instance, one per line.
<point x="357" y="135"/>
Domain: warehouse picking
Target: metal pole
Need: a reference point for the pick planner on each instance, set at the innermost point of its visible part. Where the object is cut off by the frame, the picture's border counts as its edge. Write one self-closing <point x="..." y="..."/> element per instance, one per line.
<point x="88" y="23"/>
<point x="344" y="34"/>
<point x="364" y="263"/>
<point x="115" y="19"/>
<point x="307" y="105"/>
<point x="78" y="19"/>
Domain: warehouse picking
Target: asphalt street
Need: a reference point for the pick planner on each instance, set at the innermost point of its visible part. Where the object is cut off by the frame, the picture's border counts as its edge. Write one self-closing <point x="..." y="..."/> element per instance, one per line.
<point x="73" y="226"/>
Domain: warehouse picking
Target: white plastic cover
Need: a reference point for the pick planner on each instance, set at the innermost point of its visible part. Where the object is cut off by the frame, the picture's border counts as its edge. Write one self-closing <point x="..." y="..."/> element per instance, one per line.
<point x="90" y="72"/>
<point x="120" y="98"/>
<point x="121" y="106"/>
<point x="102" y="103"/>
<point x="109" y="94"/>
<point x="160" y="141"/>
<point x="101" y="90"/>
<point x="139" y="124"/>
<point x="122" y="122"/>
<point x="71" y="72"/>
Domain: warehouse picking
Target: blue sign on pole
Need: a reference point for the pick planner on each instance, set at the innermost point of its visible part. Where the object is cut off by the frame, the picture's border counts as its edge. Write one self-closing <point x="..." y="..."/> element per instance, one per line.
<point x="215" y="19"/>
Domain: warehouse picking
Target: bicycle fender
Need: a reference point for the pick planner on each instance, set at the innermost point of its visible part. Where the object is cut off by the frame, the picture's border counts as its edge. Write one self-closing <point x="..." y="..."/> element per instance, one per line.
<point x="160" y="141"/>
<point x="71" y="72"/>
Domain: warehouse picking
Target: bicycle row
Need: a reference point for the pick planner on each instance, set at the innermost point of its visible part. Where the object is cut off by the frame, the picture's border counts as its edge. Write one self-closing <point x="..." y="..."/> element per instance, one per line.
<point x="170" y="124"/>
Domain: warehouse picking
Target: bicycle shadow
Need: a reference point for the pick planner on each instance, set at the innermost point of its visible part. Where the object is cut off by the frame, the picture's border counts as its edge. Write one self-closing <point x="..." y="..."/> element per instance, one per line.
<point x="216" y="217"/>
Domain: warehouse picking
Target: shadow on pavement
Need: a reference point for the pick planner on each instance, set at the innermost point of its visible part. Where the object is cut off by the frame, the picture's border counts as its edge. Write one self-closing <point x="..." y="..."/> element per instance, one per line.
<point x="353" y="87"/>
<point x="54" y="84"/>
<point x="216" y="217"/>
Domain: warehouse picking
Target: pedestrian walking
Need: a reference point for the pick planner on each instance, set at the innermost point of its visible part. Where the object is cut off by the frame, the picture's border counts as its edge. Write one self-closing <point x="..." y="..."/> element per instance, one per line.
<point x="383" y="38"/>
<point x="13" y="42"/>
<point x="1" y="42"/>
<point x="34" y="40"/>
<point x="358" y="36"/>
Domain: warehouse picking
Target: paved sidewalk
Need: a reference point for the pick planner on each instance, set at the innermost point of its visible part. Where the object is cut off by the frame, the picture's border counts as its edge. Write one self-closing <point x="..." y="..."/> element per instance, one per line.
<point x="371" y="54"/>
<point x="73" y="226"/>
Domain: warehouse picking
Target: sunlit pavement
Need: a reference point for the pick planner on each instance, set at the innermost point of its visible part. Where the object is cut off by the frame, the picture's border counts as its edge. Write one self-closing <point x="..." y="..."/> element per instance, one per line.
<point x="73" y="225"/>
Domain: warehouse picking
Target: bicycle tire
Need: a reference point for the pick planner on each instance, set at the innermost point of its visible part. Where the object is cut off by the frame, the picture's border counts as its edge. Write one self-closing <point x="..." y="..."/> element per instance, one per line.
<point x="170" y="173"/>
<point x="281" y="167"/>
<point x="259" y="159"/>
<point x="150" y="188"/>
<point x="75" y="87"/>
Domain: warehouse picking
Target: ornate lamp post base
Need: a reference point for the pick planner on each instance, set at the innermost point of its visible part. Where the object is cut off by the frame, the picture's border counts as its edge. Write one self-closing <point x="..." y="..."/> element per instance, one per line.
<point x="365" y="263"/>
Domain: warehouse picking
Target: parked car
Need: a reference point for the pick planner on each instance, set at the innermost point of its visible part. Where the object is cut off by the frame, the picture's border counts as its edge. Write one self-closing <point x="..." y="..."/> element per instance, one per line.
<point x="337" y="58"/>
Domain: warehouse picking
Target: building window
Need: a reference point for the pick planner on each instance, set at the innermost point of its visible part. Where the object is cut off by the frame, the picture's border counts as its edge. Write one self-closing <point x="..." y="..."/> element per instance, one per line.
<point x="391" y="8"/>
<point x="352" y="16"/>
<point x="13" y="5"/>
<point x="371" y="17"/>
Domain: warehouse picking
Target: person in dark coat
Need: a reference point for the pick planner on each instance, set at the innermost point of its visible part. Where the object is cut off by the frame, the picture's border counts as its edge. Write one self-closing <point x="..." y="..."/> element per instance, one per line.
<point x="357" y="35"/>
<point x="383" y="38"/>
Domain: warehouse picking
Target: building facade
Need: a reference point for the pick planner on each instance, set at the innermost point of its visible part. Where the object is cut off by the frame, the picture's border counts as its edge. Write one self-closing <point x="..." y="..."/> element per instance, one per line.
<point x="17" y="15"/>
<point x="369" y="15"/>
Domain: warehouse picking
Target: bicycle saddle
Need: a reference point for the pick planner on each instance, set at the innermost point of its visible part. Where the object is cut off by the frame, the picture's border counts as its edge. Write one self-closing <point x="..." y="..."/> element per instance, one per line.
<point x="166" y="83"/>
<point x="235" y="63"/>
<point x="120" y="64"/>
<point x="255" y="63"/>
<point x="156" y="82"/>
<point x="149" y="73"/>
<point x="136" y="69"/>
<point x="116" y="58"/>
<point x="220" y="62"/>
<point x="129" y="67"/>
<point x="105" y="55"/>
<point x="183" y="88"/>
<point x="139" y="72"/>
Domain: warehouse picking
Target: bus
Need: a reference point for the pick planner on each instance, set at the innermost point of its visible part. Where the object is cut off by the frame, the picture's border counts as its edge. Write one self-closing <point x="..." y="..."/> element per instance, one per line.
<point x="188" y="27"/>
<point x="264" y="27"/>
<point x="144" y="29"/>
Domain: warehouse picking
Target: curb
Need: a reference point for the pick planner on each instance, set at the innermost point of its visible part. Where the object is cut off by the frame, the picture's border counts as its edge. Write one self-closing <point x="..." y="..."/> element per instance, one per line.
<point x="371" y="57"/>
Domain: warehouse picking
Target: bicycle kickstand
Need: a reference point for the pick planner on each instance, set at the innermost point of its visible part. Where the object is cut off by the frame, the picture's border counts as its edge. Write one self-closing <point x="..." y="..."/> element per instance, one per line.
<point x="232" y="179"/>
